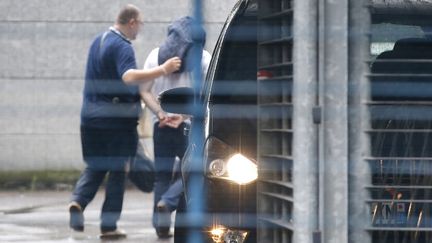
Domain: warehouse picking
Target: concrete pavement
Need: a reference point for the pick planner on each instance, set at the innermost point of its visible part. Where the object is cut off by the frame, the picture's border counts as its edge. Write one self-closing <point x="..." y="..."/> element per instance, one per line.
<point x="42" y="216"/>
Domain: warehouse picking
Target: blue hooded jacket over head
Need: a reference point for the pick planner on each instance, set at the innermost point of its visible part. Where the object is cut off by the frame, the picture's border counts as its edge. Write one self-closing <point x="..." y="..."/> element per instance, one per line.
<point x="183" y="33"/>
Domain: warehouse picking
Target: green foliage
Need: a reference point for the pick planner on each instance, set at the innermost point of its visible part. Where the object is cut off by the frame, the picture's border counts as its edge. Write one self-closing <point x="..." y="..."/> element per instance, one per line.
<point x="38" y="180"/>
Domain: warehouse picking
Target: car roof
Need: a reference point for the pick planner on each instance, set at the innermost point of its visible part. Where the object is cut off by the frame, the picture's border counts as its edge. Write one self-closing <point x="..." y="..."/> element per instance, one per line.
<point x="407" y="12"/>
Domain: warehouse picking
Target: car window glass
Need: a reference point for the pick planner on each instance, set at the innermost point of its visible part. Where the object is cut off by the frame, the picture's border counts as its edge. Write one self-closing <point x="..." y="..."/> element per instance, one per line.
<point x="384" y="36"/>
<point x="234" y="90"/>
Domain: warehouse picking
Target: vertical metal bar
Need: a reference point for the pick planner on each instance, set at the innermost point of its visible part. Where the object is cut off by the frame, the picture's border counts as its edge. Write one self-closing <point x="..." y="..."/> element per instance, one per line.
<point x="320" y="98"/>
<point x="359" y="121"/>
<point x="335" y="123"/>
<point x="305" y="176"/>
<point x="194" y="214"/>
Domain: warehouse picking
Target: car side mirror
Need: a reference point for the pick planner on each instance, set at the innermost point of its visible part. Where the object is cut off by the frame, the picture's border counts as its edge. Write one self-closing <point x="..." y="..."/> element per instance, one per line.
<point x="178" y="100"/>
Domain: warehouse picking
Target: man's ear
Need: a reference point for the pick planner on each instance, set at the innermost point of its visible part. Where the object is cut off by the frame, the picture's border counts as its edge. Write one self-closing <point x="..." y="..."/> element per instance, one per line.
<point x="132" y="21"/>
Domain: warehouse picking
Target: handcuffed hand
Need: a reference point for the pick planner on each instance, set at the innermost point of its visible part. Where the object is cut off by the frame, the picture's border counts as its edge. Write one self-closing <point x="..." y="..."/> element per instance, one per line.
<point x="171" y="65"/>
<point x="173" y="121"/>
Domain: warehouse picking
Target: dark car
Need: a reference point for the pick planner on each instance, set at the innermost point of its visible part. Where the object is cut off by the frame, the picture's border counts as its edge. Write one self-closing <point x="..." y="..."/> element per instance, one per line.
<point x="226" y="123"/>
<point x="224" y="133"/>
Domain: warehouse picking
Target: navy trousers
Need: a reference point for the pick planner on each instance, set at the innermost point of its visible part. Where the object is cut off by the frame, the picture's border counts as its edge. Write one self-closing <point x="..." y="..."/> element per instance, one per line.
<point x="169" y="143"/>
<point x="106" y="152"/>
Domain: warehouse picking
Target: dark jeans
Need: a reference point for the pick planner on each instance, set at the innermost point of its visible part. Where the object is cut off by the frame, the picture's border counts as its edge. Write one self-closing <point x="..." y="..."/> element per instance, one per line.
<point x="169" y="143"/>
<point x="106" y="152"/>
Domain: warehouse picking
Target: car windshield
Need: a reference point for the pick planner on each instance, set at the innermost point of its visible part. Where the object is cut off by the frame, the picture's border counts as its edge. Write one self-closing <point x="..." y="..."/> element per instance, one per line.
<point x="233" y="94"/>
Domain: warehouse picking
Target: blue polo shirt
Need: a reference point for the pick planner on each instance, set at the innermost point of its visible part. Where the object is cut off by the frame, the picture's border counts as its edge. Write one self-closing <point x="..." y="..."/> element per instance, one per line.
<point x="107" y="101"/>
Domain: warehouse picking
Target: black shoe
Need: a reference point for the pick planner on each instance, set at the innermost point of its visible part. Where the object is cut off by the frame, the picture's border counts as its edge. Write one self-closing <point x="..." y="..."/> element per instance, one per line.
<point x="163" y="221"/>
<point x="163" y="233"/>
<point x="113" y="235"/>
<point x="76" y="220"/>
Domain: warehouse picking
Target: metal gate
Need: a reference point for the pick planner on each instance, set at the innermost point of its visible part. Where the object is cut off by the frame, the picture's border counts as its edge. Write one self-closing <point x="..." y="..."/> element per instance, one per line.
<point x="345" y="121"/>
<point x="275" y="70"/>
<point x="401" y="125"/>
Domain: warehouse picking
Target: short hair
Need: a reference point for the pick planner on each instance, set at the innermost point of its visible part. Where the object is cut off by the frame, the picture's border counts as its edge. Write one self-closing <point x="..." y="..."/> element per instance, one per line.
<point x="127" y="13"/>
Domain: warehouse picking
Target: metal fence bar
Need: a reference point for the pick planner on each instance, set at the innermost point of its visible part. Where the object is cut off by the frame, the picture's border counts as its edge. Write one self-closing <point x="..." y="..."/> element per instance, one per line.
<point x="359" y="171"/>
<point x="305" y="138"/>
<point x="335" y="116"/>
<point x="195" y="215"/>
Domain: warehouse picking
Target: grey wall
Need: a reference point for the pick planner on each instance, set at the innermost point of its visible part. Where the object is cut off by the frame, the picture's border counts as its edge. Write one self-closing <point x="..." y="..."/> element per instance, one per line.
<point x="43" y="49"/>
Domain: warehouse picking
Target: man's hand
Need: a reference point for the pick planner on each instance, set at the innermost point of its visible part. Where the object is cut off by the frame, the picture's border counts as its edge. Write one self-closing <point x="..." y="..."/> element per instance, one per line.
<point x="171" y="65"/>
<point x="173" y="121"/>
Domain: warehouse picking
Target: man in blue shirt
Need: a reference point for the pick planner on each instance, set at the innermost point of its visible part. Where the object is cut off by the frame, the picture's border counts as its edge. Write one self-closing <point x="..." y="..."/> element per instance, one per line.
<point x="109" y="116"/>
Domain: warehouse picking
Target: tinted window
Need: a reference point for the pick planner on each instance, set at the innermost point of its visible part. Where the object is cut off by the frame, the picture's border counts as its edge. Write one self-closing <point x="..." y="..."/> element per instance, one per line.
<point x="234" y="92"/>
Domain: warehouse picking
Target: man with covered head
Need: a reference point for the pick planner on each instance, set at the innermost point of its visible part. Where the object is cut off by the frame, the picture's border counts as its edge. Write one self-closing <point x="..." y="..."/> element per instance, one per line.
<point x="184" y="36"/>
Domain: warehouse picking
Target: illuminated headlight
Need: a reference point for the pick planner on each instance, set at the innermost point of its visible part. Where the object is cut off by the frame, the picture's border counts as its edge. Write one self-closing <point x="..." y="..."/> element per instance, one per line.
<point x="224" y="235"/>
<point x="226" y="164"/>
<point x="218" y="167"/>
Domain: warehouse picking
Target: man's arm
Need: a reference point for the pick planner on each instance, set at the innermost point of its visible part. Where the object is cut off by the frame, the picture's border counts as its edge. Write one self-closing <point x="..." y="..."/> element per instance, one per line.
<point x="139" y="76"/>
<point x="173" y="120"/>
<point x="151" y="101"/>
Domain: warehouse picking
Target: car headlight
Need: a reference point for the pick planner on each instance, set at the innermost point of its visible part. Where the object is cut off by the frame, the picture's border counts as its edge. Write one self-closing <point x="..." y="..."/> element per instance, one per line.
<point x="225" y="163"/>
<point x="225" y="235"/>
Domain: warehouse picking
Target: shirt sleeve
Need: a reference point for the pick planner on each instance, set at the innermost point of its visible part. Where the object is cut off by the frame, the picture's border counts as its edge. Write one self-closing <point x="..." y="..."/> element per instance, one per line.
<point x="125" y="59"/>
<point x="150" y="62"/>
<point x="152" y="59"/>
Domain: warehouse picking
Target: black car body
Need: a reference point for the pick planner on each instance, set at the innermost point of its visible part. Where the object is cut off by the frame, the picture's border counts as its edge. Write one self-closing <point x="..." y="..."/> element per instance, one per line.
<point x="228" y="127"/>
